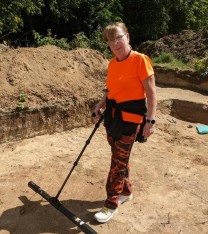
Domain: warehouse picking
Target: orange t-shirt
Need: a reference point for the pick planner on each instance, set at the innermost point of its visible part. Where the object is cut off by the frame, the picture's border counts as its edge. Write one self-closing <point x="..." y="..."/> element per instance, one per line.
<point x="124" y="80"/>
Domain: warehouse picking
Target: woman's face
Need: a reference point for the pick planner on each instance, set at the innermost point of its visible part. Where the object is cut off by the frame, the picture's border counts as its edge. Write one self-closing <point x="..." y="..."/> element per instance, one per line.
<point x="119" y="45"/>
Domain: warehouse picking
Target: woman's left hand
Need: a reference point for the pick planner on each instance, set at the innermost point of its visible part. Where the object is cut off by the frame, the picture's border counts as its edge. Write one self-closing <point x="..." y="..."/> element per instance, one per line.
<point x="148" y="130"/>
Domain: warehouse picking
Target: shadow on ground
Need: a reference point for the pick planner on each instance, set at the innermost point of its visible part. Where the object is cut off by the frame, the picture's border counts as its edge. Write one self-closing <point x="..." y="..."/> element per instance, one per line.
<point x="35" y="217"/>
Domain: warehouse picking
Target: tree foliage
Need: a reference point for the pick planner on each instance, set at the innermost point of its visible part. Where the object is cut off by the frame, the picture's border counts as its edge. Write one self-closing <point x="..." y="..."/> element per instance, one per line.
<point x="146" y="19"/>
<point x="72" y="19"/>
<point x="190" y="14"/>
<point x="12" y="12"/>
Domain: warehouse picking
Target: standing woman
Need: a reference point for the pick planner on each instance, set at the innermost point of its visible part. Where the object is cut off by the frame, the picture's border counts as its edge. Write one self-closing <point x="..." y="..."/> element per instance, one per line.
<point x="130" y="86"/>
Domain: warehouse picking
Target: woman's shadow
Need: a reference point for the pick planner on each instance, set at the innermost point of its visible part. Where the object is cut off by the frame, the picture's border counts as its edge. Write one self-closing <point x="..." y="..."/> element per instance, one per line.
<point x="34" y="217"/>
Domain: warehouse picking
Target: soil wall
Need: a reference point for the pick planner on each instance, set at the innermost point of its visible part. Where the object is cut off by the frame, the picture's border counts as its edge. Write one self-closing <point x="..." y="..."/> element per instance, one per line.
<point x="182" y="79"/>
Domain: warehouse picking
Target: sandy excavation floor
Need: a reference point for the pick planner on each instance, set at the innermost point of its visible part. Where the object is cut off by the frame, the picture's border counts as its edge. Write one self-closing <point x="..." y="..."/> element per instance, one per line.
<point x="169" y="174"/>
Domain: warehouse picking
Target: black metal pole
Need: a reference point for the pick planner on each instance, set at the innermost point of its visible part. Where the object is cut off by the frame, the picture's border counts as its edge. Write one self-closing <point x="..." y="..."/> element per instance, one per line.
<point x="54" y="200"/>
<point x="55" y="203"/>
<point x="76" y="162"/>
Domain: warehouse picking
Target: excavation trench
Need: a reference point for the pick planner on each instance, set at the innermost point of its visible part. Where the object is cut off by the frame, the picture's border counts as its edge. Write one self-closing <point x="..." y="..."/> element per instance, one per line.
<point x="185" y="110"/>
<point x="48" y="120"/>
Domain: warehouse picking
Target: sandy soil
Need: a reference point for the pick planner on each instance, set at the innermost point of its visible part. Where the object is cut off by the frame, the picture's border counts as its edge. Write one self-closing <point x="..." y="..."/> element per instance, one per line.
<point x="169" y="176"/>
<point x="169" y="173"/>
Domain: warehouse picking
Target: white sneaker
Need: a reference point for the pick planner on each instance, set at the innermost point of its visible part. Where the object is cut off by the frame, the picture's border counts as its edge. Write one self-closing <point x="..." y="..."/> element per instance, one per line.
<point x="123" y="198"/>
<point x="105" y="214"/>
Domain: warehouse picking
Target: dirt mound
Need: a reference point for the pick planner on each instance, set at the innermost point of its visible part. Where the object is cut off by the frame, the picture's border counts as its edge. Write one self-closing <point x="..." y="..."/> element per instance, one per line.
<point x="45" y="90"/>
<point x="49" y="75"/>
<point x="186" y="45"/>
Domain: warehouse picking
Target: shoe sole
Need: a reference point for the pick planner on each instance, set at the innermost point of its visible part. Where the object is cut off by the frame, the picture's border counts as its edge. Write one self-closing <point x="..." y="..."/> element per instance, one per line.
<point x="128" y="199"/>
<point x="106" y="220"/>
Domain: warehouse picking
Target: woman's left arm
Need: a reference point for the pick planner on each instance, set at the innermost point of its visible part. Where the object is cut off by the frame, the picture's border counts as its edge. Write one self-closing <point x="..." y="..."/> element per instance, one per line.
<point x="150" y="89"/>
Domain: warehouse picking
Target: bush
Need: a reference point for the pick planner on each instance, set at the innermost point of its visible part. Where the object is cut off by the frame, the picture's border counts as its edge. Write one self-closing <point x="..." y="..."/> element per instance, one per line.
<point x="97" y="43"/>
<point x="201" y="65"/>
<point x="80" y="41"/>
<point x="50" y="40"/>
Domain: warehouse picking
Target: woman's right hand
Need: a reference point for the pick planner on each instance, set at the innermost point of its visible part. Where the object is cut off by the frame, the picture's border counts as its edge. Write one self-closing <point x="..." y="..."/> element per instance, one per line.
<point x="101" y="105"/>
<point x="96" y="112"/>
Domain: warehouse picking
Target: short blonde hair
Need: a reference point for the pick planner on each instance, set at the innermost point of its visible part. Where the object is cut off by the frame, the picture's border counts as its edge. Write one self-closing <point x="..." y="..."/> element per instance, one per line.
<point x="109" y="31"/>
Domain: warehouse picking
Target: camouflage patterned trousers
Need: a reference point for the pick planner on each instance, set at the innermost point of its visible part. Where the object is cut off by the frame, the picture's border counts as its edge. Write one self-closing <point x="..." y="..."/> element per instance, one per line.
<point x="118" y="178"/>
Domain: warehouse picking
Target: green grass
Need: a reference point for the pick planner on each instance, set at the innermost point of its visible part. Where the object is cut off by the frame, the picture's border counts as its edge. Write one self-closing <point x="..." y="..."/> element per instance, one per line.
<point x="167" y="60"/>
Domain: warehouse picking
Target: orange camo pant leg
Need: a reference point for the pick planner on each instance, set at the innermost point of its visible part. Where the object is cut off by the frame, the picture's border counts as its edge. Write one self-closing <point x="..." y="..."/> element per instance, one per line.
<point x="118" y="177"/>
